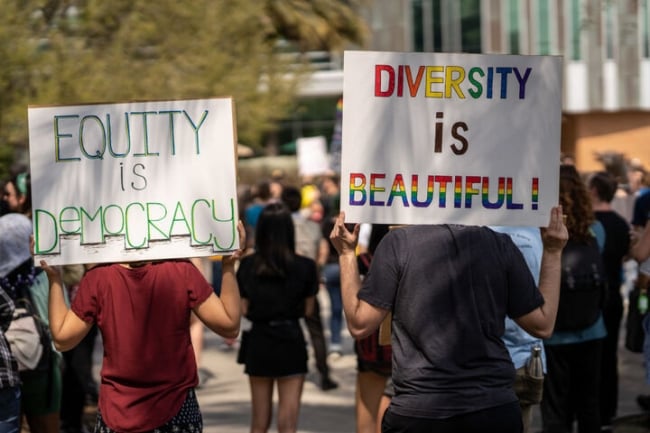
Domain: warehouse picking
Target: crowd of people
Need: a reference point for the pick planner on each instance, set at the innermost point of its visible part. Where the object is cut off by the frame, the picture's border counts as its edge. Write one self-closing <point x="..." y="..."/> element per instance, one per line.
<point x="460" y="356"/>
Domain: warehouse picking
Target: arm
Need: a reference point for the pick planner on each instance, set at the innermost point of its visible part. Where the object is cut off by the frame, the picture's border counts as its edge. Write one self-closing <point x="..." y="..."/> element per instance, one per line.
<point x="66" y="327"/>
<point x="541" y="321"/>
<point x="310" y="304"/>
<point x="223" y="314"/>
<point x="362" y="318"/>
<point x="640" y="250"/>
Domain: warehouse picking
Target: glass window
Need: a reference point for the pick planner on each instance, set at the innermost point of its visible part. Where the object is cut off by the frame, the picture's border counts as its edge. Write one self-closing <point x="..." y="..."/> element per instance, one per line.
<point x="311" y="117"/>
<point x="513" y="26"/>
<point x="544" y="42"/>
<point x="645" y="28"/>
<point x="610" y="30"/>
<point x="471" y="25"/>
<point x="575" y="30"/>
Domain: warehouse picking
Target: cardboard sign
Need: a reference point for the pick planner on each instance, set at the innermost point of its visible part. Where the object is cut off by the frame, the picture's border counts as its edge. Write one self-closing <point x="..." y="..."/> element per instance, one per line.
<point x="312" y="156"/>
<point x="133" y="181"/>
<point x="450" y="138"/>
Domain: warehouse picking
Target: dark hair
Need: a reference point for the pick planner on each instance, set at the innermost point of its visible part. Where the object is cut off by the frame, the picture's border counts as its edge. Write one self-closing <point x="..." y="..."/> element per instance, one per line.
<point x="263" y="190"/>
<point x="275" y="245"/>
<point x="292" y="197"/>
<point x="576" y="203"/>
<point x="605" y="185"/>
<point x="22" y="183"/>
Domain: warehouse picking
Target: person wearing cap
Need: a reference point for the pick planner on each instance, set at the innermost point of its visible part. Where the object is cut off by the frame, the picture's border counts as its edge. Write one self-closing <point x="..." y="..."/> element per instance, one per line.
<point x="41" y="391"/>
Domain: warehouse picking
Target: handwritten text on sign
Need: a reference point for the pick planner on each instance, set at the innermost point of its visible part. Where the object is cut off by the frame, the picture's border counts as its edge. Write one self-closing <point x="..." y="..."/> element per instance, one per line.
<point x="133" y="181"/>
<point x="463" y="138"/>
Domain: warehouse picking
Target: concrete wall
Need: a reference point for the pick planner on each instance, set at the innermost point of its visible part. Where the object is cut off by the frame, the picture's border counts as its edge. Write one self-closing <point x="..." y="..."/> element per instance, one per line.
<point x="624" y="132"/>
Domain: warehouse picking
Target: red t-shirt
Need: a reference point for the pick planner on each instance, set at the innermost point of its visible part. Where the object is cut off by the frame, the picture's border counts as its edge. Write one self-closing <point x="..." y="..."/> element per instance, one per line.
<point x="144" y="318"/>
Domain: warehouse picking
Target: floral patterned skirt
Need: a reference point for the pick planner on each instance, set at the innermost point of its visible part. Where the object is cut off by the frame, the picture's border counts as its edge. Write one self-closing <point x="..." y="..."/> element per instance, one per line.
<point x="187" y="420"/>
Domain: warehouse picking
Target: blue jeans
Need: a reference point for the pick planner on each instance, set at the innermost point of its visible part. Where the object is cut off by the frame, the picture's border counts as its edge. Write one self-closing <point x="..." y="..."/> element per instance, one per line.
<point x="10" y="410"/>
<point x="332" y="275"/>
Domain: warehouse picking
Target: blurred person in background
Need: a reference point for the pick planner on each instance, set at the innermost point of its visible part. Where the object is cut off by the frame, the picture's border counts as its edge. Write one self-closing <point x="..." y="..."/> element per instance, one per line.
<point x="278" y="288"/>
<point x="309" y="243"/>
<point x="602" y="187"/>
<point x="9" y="378"/>
<point x="41" y="390"/>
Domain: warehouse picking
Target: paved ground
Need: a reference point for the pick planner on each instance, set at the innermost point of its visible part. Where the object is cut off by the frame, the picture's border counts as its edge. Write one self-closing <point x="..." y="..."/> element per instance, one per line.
<point x="225" y="398"/>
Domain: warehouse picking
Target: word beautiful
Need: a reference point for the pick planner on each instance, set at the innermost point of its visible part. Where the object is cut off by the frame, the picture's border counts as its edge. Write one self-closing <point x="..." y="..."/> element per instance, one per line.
<point x="139" y="223"/>
<point x="94" y="135"/>
<point x="372" y="190"/>
<point x="448" y="82"/>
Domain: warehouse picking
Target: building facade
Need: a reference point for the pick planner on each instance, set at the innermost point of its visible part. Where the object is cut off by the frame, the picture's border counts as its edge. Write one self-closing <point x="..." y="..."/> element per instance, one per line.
<point x="605" y="45"/>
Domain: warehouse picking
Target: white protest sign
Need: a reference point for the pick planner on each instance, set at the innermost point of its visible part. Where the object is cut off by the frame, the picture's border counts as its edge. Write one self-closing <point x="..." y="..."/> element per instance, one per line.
<point x="450" y="138"/>
<point x="311" y="153"/>
<point x="133" y="181"/>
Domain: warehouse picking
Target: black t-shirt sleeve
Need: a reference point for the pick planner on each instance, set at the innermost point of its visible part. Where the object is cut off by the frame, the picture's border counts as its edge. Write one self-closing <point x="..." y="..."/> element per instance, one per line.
<point x="380" y="285"/>
<point x="523" y="294"/>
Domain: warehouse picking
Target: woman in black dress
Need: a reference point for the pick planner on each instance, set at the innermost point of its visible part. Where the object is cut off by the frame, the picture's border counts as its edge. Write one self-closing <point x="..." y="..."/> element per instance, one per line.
<point x="277" y="288"/>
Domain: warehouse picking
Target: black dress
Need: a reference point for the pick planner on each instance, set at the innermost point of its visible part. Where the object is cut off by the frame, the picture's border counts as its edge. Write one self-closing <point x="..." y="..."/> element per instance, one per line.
<point x="275" y="345"/>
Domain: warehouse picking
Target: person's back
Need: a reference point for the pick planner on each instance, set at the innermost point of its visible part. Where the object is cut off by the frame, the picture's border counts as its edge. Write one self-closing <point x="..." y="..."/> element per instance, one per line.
<point x="446" y="286"/>
<point x="143" y="314"/>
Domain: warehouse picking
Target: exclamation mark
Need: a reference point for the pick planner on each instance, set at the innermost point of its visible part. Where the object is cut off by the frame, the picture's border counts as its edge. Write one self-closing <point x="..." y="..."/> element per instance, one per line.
<point x="535" y="192"/>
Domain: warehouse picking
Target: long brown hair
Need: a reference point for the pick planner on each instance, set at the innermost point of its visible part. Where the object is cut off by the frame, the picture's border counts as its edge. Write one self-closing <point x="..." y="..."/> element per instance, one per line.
<point x="576" y="203"/>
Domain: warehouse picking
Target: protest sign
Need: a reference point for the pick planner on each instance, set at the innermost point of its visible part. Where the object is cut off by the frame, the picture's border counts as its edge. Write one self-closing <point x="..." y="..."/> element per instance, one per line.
<point x="450" y="138"/>
<point x="133" y="181"/>
<point x="312" y="156"/>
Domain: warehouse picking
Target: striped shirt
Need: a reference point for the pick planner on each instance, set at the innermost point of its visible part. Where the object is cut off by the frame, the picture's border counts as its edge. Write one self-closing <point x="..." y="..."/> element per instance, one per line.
<point x="8" y="366"/>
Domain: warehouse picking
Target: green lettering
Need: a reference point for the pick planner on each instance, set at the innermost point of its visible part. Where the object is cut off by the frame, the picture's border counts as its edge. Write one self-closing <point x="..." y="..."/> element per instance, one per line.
<point x="57" y="138"/>
<point x="74" y="218"/>
<point x="127" y="236"/>
<point x="477" y="84"/>
<point x="151" y="220"/>
<point x="38" y="248"/>
<point x="196" y="128"/>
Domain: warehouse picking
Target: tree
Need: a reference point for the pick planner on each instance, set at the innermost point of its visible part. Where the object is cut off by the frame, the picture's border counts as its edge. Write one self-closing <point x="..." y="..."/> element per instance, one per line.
<point x="93" y="51"/>
<point x="317" y="24"/>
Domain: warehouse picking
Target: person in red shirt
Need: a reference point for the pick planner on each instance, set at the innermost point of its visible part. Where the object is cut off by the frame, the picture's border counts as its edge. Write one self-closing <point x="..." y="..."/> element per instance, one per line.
<point x="143" y="312"/>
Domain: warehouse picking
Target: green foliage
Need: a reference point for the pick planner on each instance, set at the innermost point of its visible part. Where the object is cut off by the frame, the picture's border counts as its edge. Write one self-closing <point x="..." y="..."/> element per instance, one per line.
<point x="94" y="51"/>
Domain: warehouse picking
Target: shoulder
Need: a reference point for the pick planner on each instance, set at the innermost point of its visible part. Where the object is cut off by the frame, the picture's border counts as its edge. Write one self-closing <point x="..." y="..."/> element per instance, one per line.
<point x="101" y="270"/>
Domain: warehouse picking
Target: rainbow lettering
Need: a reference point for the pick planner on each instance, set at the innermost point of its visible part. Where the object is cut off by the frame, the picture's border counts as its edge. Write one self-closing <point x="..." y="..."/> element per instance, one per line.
<point x="448" y="81"/>
<point x="468" y="191"/>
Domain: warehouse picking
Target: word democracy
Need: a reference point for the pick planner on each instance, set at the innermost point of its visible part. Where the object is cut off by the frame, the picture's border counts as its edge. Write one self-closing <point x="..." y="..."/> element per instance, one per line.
<point x="138" y="222"/>
<point x="93" y="135"/>
<point x="447" y="82"/>
<point x="373" y="190"/>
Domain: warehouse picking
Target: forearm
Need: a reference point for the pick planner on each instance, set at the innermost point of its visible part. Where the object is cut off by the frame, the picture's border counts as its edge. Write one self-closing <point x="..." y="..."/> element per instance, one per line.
<point x="549" y="286"/>
<point x="57" y="312"/>
<point x="640" y="250"/>
<point x="350" y="285"/>
<point x="230" y="298"/>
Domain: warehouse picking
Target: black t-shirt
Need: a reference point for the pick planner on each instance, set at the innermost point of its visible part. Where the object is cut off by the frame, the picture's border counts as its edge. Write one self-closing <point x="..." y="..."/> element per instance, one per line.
<point x="277" y="298"/>
<point x="450" y="288"/>
<point x="641" y="210"/>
